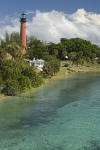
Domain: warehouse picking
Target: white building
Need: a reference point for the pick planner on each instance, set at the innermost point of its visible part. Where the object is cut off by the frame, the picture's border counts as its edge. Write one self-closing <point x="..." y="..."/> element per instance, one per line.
<point x="37" y="63"/>
<point x="66" y="57"/>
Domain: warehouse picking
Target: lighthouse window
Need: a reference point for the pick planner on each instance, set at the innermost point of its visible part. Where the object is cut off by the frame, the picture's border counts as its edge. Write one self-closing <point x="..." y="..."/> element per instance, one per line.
<point x="23" y="15"/>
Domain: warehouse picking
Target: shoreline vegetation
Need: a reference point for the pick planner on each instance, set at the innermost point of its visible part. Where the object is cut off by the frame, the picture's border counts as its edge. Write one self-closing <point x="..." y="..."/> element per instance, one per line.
<point x="61" y="59"/>
<point x="73" y="69"/>
<point x="64" y="72"/>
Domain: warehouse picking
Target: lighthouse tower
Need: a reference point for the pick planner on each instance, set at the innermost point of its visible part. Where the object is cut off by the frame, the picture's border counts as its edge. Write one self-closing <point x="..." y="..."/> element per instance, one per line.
<point x="23" y="31"/>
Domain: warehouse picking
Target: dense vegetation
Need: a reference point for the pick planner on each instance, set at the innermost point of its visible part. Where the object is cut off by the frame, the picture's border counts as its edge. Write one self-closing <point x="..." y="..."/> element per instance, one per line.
<point x="51" y="66"/>
<point x="15" y="73"/>
<point x="17" y="76"/>
<point x="78" y="50"/>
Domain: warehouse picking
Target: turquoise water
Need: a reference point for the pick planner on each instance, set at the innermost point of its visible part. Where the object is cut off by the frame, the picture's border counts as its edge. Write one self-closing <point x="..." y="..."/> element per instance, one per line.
<point x="64" y="115"/>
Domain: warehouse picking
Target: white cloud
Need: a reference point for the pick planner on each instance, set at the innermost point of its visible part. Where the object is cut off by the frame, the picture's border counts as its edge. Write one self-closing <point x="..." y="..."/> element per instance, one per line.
<point x="10" y="25"/>
<point x="51" y="26"/>
<point x="29" y="12"/>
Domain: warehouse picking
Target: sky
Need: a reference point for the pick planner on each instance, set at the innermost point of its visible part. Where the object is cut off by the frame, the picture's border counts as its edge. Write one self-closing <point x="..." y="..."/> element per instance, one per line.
<point x="10" y="7"/>
<point x="50" y="20"/>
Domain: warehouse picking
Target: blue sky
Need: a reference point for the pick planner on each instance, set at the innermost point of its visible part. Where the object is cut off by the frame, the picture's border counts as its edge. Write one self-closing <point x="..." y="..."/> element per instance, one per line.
<point x="54" y="19"/>
<point x="10" y="7"/>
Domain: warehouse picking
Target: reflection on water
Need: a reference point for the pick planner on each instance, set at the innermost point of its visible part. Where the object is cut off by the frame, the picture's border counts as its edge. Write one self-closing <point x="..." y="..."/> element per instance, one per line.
<point x="63" y="115"/>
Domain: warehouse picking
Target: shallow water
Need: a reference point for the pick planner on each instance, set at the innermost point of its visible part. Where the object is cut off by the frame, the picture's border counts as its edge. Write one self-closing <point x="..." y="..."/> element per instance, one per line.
<point x="64" y="115"/>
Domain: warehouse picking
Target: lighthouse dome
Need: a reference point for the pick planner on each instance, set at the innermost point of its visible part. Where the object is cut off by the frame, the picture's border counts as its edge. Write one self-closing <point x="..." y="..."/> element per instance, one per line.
<point x="23" y="17"/>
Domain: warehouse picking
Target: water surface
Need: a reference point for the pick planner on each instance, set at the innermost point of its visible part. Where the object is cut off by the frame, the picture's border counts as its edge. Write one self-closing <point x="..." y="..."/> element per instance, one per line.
<point x="64" y="115"/>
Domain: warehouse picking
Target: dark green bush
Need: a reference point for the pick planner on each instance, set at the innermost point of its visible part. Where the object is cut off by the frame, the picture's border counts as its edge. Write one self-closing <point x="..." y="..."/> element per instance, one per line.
<point x="35" y="79"/>
<point x="51" y="67"/>
<point x="11" y="88"/>
<point x="18" y="76"/>
<point x="24" y="83"/>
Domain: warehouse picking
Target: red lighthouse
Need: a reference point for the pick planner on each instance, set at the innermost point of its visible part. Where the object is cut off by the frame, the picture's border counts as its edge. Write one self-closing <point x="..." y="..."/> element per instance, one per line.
<point x="23" y="31"/>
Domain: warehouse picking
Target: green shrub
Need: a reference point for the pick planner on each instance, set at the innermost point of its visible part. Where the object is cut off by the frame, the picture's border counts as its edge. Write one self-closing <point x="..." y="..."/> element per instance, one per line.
<point x="19" y="71"/>
<point x="10" y="73"/>
<point x="24" y="82"/>
<point x="1" y="81"/>
<point x="11" y="88"/>
<point x="51" y="67"/>
<point x="35" y="79"/>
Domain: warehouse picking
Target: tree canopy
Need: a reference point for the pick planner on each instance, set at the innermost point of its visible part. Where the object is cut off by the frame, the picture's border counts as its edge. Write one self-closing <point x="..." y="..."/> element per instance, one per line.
<point x="15" y="73"/>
